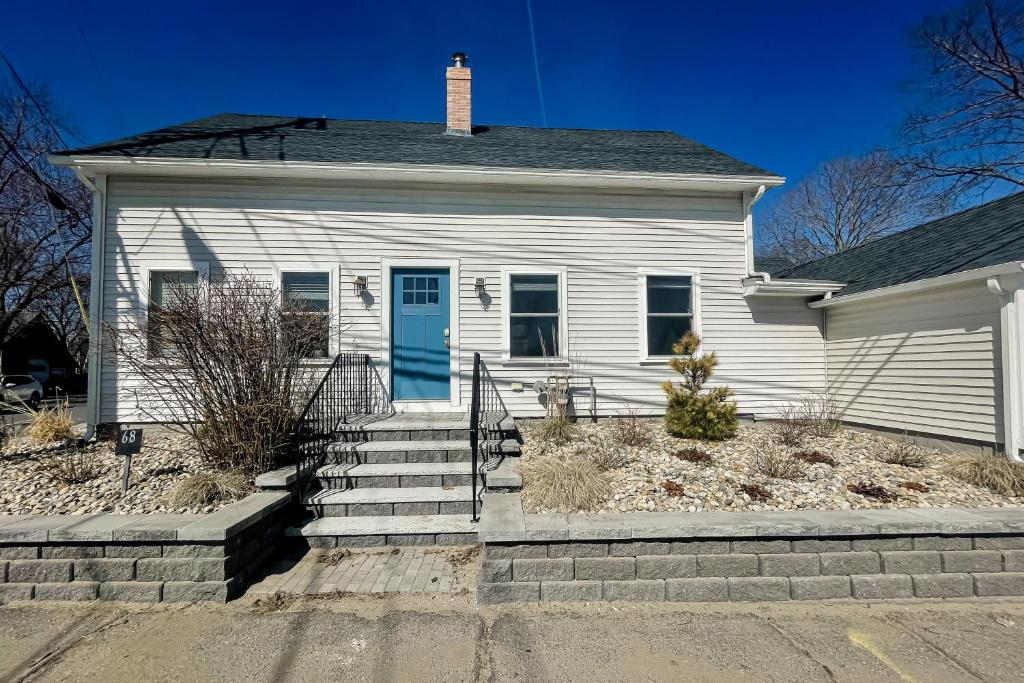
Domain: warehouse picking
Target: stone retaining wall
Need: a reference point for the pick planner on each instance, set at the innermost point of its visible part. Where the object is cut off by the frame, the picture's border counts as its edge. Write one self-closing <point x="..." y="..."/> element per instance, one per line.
<point x="140" y="558"/>
<point x="714" y="557"/>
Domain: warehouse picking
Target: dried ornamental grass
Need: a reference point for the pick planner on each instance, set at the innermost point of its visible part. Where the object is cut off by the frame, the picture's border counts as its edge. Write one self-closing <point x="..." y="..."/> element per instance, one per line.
<point x="991" y="471"/>
<point x="204" y="488"/>
<point x="51" y="424"/>
<point x="557" y="429"/>
<point x="564" y="484"/>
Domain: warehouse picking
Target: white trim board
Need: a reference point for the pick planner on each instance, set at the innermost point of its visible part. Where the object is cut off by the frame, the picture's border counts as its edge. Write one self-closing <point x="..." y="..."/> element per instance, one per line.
<point x="454" y="293"/>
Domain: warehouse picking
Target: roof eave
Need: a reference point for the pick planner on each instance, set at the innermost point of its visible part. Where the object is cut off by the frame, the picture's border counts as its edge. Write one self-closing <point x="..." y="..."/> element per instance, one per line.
<point x="803" y="289"/>
<point x="1008" y="268"/>
<point x="166" y="166"/>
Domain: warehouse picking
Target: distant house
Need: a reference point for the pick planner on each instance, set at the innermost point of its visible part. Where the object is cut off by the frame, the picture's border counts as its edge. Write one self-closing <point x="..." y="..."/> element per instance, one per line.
<point x="927" y="335"/>
<point x="536" y="247"/>
<point x="33" y="349"/>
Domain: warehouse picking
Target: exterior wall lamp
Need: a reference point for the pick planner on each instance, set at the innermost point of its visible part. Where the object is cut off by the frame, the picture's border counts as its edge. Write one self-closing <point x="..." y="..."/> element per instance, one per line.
<point x="359" y="284"/>
<point x="480" y="285"/>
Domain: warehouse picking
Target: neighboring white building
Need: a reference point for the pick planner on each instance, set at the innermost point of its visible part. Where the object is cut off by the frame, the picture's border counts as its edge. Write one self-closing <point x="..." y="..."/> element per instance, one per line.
<point x="580" y="228"/>
<point x="926" y="338"/>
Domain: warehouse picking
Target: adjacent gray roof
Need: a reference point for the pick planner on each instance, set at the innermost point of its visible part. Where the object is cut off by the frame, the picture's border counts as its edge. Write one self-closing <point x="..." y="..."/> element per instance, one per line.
<point x="771" y="264"/>
<point x="985" y="235"/>
<point x="281" y="138"/>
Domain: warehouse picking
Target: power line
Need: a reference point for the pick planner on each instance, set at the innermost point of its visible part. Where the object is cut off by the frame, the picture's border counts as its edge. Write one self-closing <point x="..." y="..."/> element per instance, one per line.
<point x="536" y="66"/>
<point x="96" y="67"/>
<point x="32" y="98"/>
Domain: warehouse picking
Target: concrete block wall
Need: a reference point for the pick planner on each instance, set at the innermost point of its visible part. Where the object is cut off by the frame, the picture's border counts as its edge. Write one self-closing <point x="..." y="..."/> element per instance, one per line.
<point x="140" y="558"/>
<point x="718" y="557"/>
<point x="869" y="568"/>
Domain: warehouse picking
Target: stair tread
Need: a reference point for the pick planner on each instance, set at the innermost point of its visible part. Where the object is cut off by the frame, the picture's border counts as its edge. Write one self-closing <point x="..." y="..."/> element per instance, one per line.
<point x="413" y="421"/>
<point x="373" y="526"/>
<point x="392" y="446"/>
<point x="411" y="469"/>
<point x="411" y="494"/>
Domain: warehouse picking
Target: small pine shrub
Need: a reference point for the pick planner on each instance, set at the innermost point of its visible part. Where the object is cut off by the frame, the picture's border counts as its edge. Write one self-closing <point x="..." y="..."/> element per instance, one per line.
<point x="691" y="414"/>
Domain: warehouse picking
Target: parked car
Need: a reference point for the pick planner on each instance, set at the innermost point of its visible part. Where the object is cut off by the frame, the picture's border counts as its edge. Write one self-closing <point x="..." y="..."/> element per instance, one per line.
<point x="19" y="389"/>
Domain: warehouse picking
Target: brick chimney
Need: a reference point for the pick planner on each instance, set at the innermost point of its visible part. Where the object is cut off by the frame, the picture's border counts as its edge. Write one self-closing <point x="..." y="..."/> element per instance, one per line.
<point x="460" y="81"/>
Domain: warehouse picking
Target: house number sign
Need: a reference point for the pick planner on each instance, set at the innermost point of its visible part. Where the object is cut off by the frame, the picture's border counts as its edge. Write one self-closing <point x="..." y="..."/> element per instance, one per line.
<point x="129" y="442"/>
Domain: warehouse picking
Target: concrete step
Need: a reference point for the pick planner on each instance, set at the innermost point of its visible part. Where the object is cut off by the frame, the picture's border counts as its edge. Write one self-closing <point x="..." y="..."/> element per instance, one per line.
<point x="409" y="427"/>
<point x="331" y="532"/>
<point x="395" y="452"/>
<point x="506" y="477"/>
<point x="415" y="500"/>
<point x="397" y="475"/>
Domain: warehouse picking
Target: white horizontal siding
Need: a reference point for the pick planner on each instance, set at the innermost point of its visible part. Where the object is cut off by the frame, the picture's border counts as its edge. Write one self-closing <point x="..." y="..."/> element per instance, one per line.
<point x="770" y="351"/>
<point x="925" y="362"/>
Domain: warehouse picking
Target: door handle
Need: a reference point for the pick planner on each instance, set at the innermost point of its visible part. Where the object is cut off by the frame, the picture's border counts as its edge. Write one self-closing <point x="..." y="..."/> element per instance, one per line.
<point x="447" y="344"/>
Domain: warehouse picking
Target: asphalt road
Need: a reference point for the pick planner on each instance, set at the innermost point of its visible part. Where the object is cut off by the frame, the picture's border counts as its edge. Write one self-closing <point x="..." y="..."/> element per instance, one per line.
<point x="76" y="403"/>
<point x="446" y="638"/>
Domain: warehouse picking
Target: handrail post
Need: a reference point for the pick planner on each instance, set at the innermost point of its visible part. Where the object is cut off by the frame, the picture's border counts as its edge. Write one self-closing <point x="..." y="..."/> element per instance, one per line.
<point x="474" y="424"/>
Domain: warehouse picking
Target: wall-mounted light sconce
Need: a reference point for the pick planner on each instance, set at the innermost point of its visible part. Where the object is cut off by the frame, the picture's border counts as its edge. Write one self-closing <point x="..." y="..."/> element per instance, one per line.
<point x="359" y="284"/>
<point x="481" y="286"/>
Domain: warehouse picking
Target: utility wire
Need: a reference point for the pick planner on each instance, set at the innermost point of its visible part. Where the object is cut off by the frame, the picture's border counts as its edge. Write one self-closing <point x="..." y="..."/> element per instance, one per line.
<point x="536" y="66"/>
<point x="96" y="67"/>
<point x="32" y="98"/>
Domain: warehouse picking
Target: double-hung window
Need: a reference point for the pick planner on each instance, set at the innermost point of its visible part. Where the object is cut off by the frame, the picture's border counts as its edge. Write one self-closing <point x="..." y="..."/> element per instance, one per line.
<point x="535" y="310"/>
<point x="669" y="311"/>
<point x="306" y="299"/>
<point x="170" y="292"/>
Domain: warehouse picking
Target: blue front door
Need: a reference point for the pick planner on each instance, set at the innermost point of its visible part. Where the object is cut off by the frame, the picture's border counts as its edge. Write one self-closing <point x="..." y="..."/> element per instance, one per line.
<point x="420" y="325"/>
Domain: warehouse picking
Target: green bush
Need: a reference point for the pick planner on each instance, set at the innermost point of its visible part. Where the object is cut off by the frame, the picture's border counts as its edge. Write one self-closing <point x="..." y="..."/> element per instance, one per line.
<point x="691" y="413"/>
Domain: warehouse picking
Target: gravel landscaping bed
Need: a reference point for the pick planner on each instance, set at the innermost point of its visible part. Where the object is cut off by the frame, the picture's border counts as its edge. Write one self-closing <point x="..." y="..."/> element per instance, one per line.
<point x="652" y="478"/>
<point x="28" y="485"/>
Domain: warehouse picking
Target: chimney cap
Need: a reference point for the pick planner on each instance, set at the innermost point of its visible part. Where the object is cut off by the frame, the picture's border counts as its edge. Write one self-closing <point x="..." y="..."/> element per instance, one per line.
<point x="459" y="59"/>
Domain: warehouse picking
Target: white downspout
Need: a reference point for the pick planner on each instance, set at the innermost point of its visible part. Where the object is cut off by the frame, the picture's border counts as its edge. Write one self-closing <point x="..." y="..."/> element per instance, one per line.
<point x="1010" y="291"/>
<point x="94" y="364"/>
<point x="748" y="230"/>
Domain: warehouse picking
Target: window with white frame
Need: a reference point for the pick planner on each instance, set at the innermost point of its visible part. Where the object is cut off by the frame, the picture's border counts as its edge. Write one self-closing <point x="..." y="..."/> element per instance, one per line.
<point x="306" y="299"/>
<point x="534" y="315"/>
<point x="668" y="311"/>
<point x="167" y="288"/>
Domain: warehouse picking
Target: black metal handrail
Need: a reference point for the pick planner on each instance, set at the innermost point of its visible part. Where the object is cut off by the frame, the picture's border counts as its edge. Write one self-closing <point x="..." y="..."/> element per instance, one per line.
<point x="351" y="392"/>
<point x="487" y="413"/>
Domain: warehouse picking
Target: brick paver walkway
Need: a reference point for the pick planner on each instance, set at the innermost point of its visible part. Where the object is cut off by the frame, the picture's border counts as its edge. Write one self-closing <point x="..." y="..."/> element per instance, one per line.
<point x="370" y="570"/>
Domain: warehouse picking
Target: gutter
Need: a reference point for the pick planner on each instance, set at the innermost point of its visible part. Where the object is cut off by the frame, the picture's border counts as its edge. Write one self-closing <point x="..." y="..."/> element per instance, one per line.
<point x="920" y="285"/>
<point x="762" y="284"/>
<point x="408" y="172"/>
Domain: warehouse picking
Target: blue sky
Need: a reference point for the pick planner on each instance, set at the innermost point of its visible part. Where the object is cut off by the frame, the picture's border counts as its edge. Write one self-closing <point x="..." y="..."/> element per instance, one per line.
<point x="782" y="85"/>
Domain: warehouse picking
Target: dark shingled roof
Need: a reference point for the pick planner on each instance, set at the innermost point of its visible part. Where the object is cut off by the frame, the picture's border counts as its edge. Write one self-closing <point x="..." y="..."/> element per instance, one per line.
<point x="281" y="138"/>
<point x="985" y="235"/>
<point x="771" y="264"/>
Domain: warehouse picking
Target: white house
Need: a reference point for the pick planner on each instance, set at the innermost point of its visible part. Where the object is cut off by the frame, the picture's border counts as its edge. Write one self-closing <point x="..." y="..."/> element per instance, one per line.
<point x="430" y="242"/>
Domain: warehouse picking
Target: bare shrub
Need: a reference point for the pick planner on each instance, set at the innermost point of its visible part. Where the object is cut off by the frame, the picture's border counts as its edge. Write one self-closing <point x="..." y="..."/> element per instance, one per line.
<point x="227" y="363"/>
<point x="607" y="456"/>
<point x="776" y="463"/>
<point x="815" y="458"/>
<point x="789" y="428"/>
<point x="697" y="456"/>
<point x="564" y="484"/>
<point x="756" y="492"/>
<point x="205" y="488"/>
<point x="899" y="452"/>
<point x="630" y="429"/>
<point x="820" y="415"/>
<point x="872" y="490"/>
<point x="73" y="466"/>
<point x="990" y="471"/>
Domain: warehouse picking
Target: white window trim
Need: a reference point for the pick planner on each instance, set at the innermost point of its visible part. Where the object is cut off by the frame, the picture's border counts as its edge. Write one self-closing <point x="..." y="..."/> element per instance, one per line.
<point x="695" y="297"/>
<point x="202" y="268"/>
<point x="334" y="331"/>
<point x="563" y="315"/>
